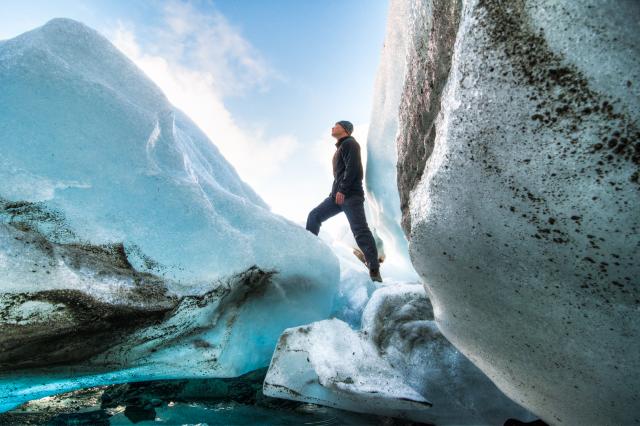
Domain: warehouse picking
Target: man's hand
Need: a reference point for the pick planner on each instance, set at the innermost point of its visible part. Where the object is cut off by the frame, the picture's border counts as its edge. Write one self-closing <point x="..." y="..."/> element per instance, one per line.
<point x="339" y="198"/>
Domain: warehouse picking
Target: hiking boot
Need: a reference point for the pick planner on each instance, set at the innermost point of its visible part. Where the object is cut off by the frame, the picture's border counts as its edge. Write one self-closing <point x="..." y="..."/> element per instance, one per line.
<point x="375" y="275"/>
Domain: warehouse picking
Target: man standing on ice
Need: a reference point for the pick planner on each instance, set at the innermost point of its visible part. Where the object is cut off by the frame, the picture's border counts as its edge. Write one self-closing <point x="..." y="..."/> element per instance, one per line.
<point x="347" y="195"/>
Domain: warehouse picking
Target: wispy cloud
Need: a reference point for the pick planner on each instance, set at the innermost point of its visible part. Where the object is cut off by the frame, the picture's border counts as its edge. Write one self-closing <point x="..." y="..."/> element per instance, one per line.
<point x="209" y="42"/>
<point x="199" y="59"/>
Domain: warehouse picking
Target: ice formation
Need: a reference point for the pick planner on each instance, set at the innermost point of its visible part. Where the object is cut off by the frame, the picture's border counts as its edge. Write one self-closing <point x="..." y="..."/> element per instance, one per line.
<point x="129" y="248"/>
<point x="398" y="364"/>
<point x="518" y="173"/>
<point x="328" y="363"/>
<point x="383" y="200"/>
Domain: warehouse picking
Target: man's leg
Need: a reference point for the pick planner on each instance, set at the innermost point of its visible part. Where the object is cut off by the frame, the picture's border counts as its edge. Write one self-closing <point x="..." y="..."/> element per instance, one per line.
<point x="324" y="211"/>
<point x="353" y="207"/>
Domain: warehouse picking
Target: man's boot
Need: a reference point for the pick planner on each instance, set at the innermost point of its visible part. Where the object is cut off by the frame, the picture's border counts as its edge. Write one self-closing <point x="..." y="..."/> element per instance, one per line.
<point x="375" y="274"/>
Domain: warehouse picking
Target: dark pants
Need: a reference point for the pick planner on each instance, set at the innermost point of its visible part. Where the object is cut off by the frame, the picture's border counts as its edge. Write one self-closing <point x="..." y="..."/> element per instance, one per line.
<point x="353" y="207"/>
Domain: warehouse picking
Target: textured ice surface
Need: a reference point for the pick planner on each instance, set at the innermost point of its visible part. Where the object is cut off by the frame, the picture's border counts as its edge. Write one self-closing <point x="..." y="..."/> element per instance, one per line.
<point x="381" y="180"/>
<point x="393" y="366"/>
<point x="355" y="286"/>
<point x="519" y="155"/>
<point x="399" y="320"/>
<point x="129" y="247"/>
<point x="328" y="363"/>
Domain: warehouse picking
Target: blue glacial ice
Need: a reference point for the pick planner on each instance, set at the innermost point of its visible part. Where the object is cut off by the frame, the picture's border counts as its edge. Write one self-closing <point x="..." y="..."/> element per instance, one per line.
<point x="130" y="249"/>
<point x="381" y="180"/>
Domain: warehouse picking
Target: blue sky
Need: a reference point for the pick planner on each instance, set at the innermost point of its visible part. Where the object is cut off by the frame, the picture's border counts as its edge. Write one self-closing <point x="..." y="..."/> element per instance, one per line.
<point x="265" y="79"/>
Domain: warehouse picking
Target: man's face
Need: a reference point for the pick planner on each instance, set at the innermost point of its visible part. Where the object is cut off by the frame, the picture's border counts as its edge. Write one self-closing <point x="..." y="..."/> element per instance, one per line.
<point x="337" y="131"/>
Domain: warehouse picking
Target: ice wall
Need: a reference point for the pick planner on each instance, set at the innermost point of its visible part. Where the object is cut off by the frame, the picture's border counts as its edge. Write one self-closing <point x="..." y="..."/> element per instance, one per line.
<point x="380" y="175"/>
<point x="129" y="247"/>
<point x="518" y="173"/>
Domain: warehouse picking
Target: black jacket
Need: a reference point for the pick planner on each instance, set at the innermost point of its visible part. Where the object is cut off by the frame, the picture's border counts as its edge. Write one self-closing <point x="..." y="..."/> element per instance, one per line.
<point x="347" y="168"/>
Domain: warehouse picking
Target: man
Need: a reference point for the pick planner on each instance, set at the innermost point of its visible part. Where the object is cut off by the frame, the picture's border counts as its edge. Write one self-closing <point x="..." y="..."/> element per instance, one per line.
<point x="347" y="195"/>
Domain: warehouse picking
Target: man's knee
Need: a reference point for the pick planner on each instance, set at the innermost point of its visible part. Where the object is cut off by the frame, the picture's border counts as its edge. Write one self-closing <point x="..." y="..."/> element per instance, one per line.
<point x="313" y="222"/>
<point x="314" y="216"/>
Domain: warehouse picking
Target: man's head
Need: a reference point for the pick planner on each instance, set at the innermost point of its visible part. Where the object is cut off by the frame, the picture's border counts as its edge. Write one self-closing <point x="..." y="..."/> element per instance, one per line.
<point x="341" y="129"/>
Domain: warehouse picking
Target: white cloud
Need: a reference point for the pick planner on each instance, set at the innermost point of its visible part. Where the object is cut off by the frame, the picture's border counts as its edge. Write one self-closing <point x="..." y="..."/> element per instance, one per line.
<point x="209" y="42"/>
<point x="198" y="60"/>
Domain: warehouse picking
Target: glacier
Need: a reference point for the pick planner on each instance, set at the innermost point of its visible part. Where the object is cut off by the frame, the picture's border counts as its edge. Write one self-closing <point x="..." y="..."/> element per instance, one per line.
<point x="518" y="155"/>
<point x="502" y="178"/>
<point x="517" y="173"/>
<point x="130" y="249"/>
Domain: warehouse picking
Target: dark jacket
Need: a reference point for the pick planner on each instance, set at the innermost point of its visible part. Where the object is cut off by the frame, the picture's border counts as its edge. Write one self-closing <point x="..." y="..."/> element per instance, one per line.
<point x="347" y="168"/>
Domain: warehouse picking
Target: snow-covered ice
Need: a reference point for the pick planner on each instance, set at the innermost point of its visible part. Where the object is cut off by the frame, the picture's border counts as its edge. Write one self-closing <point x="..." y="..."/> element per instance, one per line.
<point x="328" y="363"/>
<point x="88" y="133"/>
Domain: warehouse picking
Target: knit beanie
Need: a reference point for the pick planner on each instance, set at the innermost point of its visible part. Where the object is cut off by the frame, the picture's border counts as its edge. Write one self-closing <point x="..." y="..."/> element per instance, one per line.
<point x="346" y="125"/>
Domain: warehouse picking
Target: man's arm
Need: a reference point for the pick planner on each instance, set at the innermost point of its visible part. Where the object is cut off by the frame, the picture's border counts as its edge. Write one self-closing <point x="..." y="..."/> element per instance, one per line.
<point x="351" y="156"/>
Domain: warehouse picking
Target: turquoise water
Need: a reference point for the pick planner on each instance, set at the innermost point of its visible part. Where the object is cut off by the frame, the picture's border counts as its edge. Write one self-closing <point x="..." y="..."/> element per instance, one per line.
<point x="233" y="401"/>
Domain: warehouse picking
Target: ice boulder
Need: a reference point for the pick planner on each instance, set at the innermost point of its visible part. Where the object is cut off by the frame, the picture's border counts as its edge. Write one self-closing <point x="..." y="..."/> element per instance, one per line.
<point x="130" y="249"/>
<point x="398" y="364"/>
<point x="519" y="147"/>
<point x="330" y="364"/>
